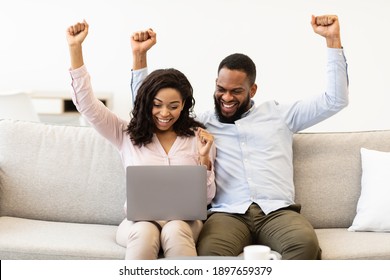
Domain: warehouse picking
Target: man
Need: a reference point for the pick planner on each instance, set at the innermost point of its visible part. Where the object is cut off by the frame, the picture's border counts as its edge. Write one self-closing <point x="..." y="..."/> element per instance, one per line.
<point x="254" y="202"/>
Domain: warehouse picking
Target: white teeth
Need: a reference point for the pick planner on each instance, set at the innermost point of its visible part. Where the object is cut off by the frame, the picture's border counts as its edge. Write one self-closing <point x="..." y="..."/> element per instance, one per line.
<point x="227" y="106"/>
<point x="164" y="121"/>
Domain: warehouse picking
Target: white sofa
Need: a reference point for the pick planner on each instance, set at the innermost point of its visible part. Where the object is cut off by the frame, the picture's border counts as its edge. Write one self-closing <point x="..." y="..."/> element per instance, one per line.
<point x="62" y="190"/>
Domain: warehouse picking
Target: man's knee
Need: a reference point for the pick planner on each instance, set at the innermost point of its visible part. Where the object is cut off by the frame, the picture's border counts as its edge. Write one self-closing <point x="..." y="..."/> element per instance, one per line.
<point x="311" y="248"/>
<point x="304" y="247"/>
<point x="222" y="236"/>
<point x="209" y="245"/>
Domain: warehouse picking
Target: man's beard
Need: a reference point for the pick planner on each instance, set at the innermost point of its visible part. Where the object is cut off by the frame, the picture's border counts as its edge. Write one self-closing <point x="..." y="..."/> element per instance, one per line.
<point x="237" y="115"/>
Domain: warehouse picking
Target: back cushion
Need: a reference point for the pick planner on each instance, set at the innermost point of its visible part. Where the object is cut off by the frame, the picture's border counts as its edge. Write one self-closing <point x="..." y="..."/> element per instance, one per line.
<point x="327" y="174"/>
<point x="59" y="173"/>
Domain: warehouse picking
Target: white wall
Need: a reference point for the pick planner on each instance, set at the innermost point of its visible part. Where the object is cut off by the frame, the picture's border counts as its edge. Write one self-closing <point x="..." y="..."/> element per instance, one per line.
<point x="194" y="36"/>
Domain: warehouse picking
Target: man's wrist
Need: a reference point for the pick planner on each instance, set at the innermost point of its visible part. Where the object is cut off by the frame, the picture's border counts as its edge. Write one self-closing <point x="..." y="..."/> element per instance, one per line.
<point x="139" y="60"/>
<point x="334" y="43"/>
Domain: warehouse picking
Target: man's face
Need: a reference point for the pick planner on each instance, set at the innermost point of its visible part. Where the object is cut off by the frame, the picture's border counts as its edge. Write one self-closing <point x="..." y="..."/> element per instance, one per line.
<point x="232" y="96"/>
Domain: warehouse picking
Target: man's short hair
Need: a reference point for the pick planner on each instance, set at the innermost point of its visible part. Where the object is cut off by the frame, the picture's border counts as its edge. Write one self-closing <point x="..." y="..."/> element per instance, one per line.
<point x="241" y="62"/>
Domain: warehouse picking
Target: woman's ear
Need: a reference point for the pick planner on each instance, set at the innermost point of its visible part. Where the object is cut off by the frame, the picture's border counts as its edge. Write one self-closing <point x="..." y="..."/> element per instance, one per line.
<point x="182" y="107"/>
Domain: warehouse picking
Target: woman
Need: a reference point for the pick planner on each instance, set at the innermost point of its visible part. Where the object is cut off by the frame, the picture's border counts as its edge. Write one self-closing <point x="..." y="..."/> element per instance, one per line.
<point x="161" y="131"/>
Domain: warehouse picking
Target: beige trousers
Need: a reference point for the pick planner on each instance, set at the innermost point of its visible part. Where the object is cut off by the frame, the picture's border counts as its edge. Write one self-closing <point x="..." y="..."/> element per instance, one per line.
<point x="143" y="240"/>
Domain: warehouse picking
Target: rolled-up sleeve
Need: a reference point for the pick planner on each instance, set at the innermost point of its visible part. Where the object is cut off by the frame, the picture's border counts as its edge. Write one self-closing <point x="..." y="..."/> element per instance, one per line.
<point x="137" y="77"/>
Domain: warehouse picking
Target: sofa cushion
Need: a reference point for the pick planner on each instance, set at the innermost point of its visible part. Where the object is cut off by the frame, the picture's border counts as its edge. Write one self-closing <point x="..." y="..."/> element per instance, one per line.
<point x="59" y="173"/>
<point x="373" y="208"/>
<point x="327" y="174"/>
<point x="42" y="240"/>
<point x="341" y="244"/>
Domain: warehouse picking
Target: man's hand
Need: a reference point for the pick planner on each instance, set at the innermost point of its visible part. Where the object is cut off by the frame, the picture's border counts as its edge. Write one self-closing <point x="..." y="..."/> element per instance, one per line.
<point x="142" y="41"/>
<point x="328" y="27"/>
<point x="75" y="34"/>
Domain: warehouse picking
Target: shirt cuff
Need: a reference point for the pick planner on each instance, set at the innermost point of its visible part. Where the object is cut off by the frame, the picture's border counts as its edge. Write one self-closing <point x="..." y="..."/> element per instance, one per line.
<point x="139" y="72"/>
<point x="336" y="54"/>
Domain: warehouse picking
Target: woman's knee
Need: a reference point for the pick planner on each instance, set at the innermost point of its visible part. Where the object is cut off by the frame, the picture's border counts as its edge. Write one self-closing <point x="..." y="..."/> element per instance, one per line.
<point x="177" y="239"/>
<point x="176" y="230"/>
<point x="122" y="232"/>
<point x="143" y="241"/>
<point x="144" y="231"/>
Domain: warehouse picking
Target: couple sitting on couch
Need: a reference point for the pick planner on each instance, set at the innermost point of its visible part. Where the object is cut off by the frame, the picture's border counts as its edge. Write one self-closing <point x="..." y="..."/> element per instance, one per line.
<point x="254" y="199"/>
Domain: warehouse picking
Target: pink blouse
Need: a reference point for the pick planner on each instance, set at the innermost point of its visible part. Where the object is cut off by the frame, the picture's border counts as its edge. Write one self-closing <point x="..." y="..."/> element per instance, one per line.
<point x="184" y="151"/>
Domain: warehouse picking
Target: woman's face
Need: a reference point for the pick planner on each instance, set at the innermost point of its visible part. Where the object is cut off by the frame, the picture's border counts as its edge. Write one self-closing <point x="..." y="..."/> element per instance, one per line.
<point x="167" y="107"/>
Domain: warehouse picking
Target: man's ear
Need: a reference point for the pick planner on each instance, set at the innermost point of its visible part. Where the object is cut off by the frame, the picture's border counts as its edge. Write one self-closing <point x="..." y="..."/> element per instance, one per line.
<point x="253" y="90"/>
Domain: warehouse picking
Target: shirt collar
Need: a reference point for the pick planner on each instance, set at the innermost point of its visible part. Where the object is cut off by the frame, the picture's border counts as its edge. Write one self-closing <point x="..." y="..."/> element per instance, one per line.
<point x="250" y="109"/>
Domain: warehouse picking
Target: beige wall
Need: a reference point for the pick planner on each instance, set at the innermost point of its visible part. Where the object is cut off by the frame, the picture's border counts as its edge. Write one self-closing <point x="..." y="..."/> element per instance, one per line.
<point x="194" y="36"/>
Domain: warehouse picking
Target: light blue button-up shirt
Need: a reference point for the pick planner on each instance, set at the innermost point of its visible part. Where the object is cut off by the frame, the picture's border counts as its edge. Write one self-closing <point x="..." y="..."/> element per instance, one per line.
<point x="254" y="155"/>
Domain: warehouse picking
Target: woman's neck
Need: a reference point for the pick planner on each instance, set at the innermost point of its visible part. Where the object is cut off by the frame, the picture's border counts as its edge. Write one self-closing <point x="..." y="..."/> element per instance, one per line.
<point x="166" y="139"/>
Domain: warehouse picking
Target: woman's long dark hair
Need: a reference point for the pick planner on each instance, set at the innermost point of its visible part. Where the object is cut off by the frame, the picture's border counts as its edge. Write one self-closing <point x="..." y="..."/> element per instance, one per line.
<point x="142" y="126"/>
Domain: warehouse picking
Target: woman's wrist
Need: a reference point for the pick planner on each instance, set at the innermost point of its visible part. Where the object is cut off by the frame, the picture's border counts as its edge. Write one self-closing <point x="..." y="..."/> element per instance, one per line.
<point x="205" y="160"/>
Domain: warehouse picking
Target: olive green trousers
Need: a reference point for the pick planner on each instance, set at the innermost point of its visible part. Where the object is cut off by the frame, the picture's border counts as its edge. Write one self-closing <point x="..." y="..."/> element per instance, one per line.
<point x="285" y="231"/>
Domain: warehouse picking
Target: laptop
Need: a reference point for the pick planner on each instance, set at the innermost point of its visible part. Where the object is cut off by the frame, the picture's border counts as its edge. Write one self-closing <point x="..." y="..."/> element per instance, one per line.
<point x="166" y="192"/>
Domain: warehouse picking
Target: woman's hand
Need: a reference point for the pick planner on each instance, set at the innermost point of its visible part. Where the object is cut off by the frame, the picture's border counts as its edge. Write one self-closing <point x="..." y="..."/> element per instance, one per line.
<point x="205" y="141"/>
<point x="76" y="33"/>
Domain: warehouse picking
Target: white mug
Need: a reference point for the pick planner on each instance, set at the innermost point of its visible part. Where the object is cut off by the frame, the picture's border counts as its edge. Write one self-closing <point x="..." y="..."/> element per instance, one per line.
<point x="258" y="252"/>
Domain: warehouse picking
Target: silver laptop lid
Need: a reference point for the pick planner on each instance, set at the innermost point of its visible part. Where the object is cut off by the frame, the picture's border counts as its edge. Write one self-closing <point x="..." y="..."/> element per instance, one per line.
<point x="174" y="192"/>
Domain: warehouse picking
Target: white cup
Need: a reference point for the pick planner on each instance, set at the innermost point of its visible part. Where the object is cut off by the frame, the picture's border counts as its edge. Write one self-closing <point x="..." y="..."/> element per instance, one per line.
<point x="258" y="252"/>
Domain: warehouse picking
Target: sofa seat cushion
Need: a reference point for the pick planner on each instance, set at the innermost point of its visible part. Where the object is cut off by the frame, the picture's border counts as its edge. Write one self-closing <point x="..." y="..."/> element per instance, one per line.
<point x="341" y="244"/>
<point x="42" y="240"/>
